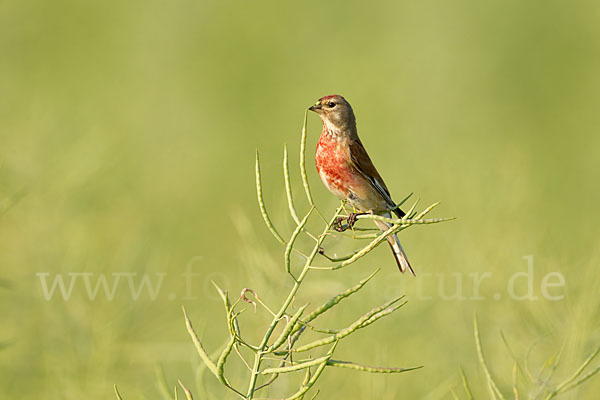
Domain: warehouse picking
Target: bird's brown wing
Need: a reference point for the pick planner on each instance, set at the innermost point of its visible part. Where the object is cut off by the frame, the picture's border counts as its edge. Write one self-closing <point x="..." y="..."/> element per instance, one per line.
<point x="363" y="164"/>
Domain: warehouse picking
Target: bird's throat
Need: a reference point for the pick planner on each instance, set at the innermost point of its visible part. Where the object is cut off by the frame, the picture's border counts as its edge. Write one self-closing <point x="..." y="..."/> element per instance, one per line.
<point x="332" y="129"/>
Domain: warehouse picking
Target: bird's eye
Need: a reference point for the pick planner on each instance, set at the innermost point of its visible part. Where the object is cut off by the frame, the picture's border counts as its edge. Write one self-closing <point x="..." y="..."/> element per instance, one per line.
<point x="331" y="104"/>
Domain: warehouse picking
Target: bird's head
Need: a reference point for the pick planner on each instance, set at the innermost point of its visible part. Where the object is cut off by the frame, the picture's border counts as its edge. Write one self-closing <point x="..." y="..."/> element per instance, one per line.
<point x="335" y="112"/>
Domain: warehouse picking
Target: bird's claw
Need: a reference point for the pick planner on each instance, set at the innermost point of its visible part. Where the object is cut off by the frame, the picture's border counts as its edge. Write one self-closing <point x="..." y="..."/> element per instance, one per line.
<point x="350" y="220"/>
<point x="338" y="224"/>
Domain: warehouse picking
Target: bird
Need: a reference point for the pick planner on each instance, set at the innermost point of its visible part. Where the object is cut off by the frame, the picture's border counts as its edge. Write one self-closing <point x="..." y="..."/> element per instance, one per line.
<point x="348" y="172"/>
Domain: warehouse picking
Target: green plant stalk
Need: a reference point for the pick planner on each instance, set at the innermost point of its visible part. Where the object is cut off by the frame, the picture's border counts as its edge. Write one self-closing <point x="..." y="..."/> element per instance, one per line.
<point x="263" y="345"/>
<point x="581" y="380"/>
<point x="201" y="351"/>
<point x="353" y="236"/>
<point x="293" y="339"/>
<point x="305" y="388"/>
<point x="368" y="368"/>
<point x="117" y="393"/>
<point x="290" y="245"/>
<point x="295" y="367"/>
<point x="188" y="394"/>
<point x="514" y="357"/>
<point x="494" y="391"/>
<point x="407" y="221"/>
<point x="288" y="329"/>
<point x="228" y="308"/>
<point x="514" y="378"/>
<point x="162" y="382"/>
<point x="397" y="226"/>
<point x="427" y="210"/>
<point x="232" y="322"/>
<point x="303" y="161"/>
<point x="411" y="210"/>
<point x="335" y="300"/>
<point x="323" y="330"/>
<point x="216" y="369"/>
<point x="580" y="369"/>
<point x="261" y="203"/>
<point x="288" y="186"/>
<point x="362" y="252"/>
<point x="552" y="364"/>
<point x="571" y="383"/>
<point x="402" y="201"/>
<point x="305" y="382"/>
<point x="365" y="320"/>
<point x="222" y="360"/>
<point x="454" y="395"/>
<point x="338" y="259"/>
<point x="381" y="314"/>
<point x="466" y="384"/>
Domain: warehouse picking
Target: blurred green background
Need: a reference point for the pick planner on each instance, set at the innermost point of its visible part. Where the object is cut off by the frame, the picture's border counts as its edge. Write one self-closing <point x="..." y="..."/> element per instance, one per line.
<point x="127" y="139"/>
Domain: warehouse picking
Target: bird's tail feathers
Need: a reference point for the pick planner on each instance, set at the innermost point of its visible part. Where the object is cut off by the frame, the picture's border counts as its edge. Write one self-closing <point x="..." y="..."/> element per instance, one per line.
<point x="397" y="250"/>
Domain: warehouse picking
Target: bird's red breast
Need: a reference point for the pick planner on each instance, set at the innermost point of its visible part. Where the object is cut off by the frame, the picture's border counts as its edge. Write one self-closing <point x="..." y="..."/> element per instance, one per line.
<point x="336" y="159"/>
<point x="332" y="160"/>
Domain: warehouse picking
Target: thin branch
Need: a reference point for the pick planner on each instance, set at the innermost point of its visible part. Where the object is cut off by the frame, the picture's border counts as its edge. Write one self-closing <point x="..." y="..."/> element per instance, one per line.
<point x="362" y="322"/>
<point x="402" y="221"/>
<point x="303" y="161"/>
<point x="572" y="382"/>
<point x="337" y="298"/>
<point x="117" y="393"/>
<point x="336" y="259"/>
<point x="287" y="331"/>
<point x="494" y="391"/>
<point x="261" y="203"/>
<point x="295" y="367"/>
<point x="306" y="387"/>
<point x="514" y="377"/>
<point x="188" y="394"/>
<point x="289" y="247"/>
<point x="237" y="350"/>
<point x="288" y="186"/>
<point x="291" y="343"/>
<point x="199" y="348"/>
<point x="466" y="384"/>
<point x="368" y="368"/>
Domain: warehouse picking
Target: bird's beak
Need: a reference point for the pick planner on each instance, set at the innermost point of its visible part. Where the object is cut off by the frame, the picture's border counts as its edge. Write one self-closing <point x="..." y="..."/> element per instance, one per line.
<point x="316" y="107"/>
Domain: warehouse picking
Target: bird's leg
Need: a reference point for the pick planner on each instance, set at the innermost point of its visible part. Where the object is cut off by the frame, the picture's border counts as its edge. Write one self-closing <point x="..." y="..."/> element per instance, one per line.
<point x="338" y="224"/>
<point x="350" y="221"/>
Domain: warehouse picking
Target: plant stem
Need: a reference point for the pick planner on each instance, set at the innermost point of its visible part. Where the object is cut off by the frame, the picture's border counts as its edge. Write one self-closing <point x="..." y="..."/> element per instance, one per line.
<point x="263" y="345"/>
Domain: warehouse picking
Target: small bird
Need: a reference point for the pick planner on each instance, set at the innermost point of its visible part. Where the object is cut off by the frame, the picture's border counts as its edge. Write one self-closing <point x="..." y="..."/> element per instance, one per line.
<point x="347" y="171"/>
